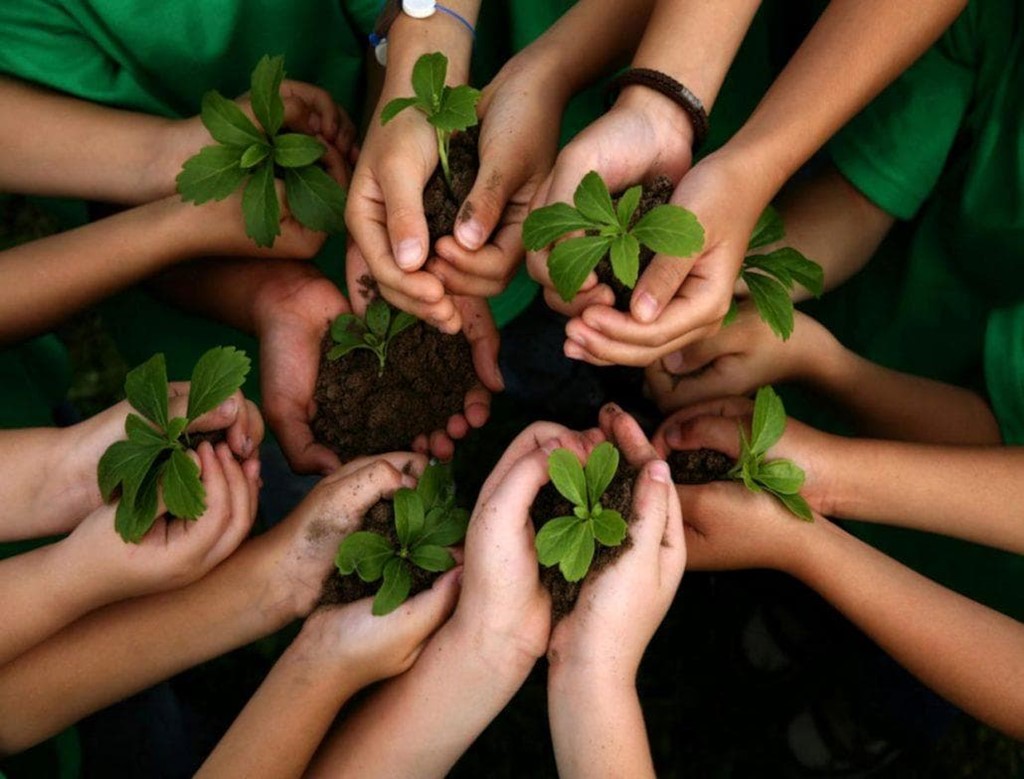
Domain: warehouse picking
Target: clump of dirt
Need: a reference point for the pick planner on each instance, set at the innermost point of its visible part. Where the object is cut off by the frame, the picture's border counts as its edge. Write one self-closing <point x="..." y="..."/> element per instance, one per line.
<point x="550" y="504"/>
<point x="441" y="202"/>
<point x="699" y="466"/>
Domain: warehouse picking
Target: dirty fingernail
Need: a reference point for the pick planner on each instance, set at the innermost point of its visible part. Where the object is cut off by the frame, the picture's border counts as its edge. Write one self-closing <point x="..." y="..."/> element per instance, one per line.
<point x="659" y="472"/>
<point x="646" y="307"/>
<point x="409" y="252"/>
<point x="470" y="234"/>
<point x="228" y="407"/>
<point x="573" y="351"/>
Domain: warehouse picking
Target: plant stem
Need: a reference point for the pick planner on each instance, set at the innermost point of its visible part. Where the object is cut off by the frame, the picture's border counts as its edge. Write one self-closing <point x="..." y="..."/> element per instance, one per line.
<point x="442" y="151"/>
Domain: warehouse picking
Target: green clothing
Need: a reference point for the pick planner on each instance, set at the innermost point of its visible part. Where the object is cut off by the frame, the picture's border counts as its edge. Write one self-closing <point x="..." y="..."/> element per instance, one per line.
<point x="944" y="148"/>
<point x="34" y="377"/>
<point x="1004" y="371"/>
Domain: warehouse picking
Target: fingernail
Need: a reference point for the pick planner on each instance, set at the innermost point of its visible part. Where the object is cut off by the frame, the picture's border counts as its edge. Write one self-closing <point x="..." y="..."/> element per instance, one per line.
<point x="408" y="480"/>
<point x="470" y="234"/>
<point x="659" y="472"/>
<point x="673" y="437"/>
<point x="573" y="351"/>
<point x="228" y="407"/>
<point x="409" y="252"/>
<point x="577" y="338"/>
<point x="549" y="446"/>
<point x="673" y="362"/>
<point x="613" y="408"/>
<point x="646" y="307"/>
<point x="499" y="377"/>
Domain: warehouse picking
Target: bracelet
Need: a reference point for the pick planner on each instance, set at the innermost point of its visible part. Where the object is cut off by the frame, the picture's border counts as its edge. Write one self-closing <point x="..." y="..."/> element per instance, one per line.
<point x="673" y="90"/>
<point x="418" y="9"/>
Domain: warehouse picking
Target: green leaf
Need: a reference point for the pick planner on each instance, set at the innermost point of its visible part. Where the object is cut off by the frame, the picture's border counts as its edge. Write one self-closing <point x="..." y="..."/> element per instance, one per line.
<point x="769" y="421"/>
<point x="429" y="557"/>
<point x="260" y="207"/>
<point x="395" y="589"/>
<point x="428" y="76"/>
<point x="670" y="230"/>
<point x="175" y="428"/>
<point x="576" y="563"/>
<point x="212" y="174"/>
<point x="567" y="475"/>
<point x="457" y="110"/>
<point x="601" y="468"/>
<point x="798" y="506"/>
<point x="789" y="265"/>
<point x="571" y="261"/>
<point x="184" y="493"/>
<point x="609" y="527"/>
<point x="254" y="155"/>
<point x="293" y="150"/>
<point x="146" y="389"/>
<point x="593" y="201"/>
<point x="141" y="432"/>
<point x="396" y="106"/>
<point x="365" y="553"/>
<point x="266" y="93"/>
<point x="345" y="325"/>
<point x="554" y="540"/>
<point x="624" y="254"/>
<point x="409" y="517"/>
<point x="218" y="374"/>
<point x="343" y="348"/>
<point x="136" y="513"/>
<point x="315" y="199"/>
<point x="378" y="317"/>
<point x="434" y="484"/>
<point x="125" y="462"/>
<point x="401" y="321"/>
<point x="447" y="530"/>
<point x="768" y="229"/>
<point x="227" y="123"/>
<point x="627" y="204"/>
<point x="772" y="301"/>
<point x="548" y="224"/>
<point x="731" y="314"/>
<point x="781" y="477"/>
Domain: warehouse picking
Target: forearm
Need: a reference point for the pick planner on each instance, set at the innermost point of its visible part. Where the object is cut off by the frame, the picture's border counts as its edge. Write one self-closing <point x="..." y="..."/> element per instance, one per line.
<point x="33" y="491"/>
<point x="969" y="654"/>
<point x="410" y="38"/>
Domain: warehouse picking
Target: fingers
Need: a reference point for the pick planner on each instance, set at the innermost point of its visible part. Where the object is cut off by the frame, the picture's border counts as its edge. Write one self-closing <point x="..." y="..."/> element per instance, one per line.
<point x="425" y="612"/>
<point x="344" y="501"/>
<point x="650" y="507"/>
<point x="243" y="486"/>
<point x="530" y="440"/>
<point x="719" y="433"/>
<point x="406" y="221"/>
<point x="484" y="341"/>
<point x="508" y="504"/>
<point x="657" y="285"/>
<point x="625" y="432"/>
<point x="310" y="109"/>
<point x="483" y="208"/>
<point x="403" y="462"/>
<point x="289" y="419"/>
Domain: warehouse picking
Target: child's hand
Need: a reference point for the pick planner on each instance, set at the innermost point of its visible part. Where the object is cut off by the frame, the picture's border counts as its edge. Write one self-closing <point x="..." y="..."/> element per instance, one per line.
<point x="174" y="552"/>
<point x="740" y="358"/>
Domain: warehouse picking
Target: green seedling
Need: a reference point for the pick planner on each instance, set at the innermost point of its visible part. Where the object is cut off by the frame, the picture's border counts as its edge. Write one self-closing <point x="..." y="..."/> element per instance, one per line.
<point x="426" y="521"/>
<point x="781" y="478"/>
<point x="665" y="229"/>
<point x="448" y="109"/>
<point x="154" y="456"/>
<point x="374" y="332"/>
<point x="256" y="156"/>
<point x="571" y="541"/>
<point x="770" y="277"/>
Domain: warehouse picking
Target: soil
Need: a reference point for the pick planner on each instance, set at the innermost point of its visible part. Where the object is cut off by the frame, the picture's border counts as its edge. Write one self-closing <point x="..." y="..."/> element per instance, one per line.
<point x="699" y="466"/>
<point x="657" y="194"/>
<point x="442" y="203"/>
<point x="550" y="504"/>
<point x="345" y="589"/>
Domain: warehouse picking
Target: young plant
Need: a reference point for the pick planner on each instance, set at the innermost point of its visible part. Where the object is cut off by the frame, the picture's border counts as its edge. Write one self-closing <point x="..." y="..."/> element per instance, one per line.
<point x="255" y="156"/>
<point x="781" y="478"/>
<point x="426" y="521"/>
<point x="374" y="332"/>
<point x="570" y="541"/>
<point x="665" y="229"/>
<point x="448" y="109"/>
<point x="770" y="277"/>
<point x="154" y="456"/>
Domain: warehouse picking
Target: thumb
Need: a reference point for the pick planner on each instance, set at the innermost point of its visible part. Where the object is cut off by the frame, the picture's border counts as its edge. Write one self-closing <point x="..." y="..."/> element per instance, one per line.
<point x="658" y="285"/>
<point x="426" y="612"/>
<point x="480" y="213"/>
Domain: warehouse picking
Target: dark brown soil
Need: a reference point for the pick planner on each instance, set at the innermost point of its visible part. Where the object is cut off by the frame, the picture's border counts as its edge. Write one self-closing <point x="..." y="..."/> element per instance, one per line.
<point x="425" y="382"/>
<point x="658" y="193"/>
<point x="214" y="437"/>
<point x="550" y="504"/>
<point x="699" y="466"/>
<point x="442" y="203"/>
<point x="345" y="589"/>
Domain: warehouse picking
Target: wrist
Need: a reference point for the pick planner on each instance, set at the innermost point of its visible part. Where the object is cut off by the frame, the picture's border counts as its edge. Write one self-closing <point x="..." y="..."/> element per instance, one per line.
<point x="671" y="124"/>
<point x="505" y="656"/>
<point x="410" y="38"/>
<point x="173" y="141"/>
<point x="573" y="675"/>
<point x="287" y="289"/>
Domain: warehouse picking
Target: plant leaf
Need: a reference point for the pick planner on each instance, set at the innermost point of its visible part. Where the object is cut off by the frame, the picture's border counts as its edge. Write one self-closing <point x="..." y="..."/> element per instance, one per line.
<point x="772" y="301"/>
<point x="363" y="552"/>
<point x="457" y="110"/>
<point x="124" y="462"/>
<point x="409" y="518"/>
<point x="789" y="265"/>
<point x="184" y="493"/>
<point x="344" y="325"/>
<point x="571" y="261"/>
<point x="428" y="76"/>
<point x="378" y="317"/>
<point x="395" y="589"/>
<point x="315" y="199"/>
<point x="768" y="229"/>
<point x="433" y="484"/>
<point x="136" y="513"/>
<point x="266" y="93"/>
<point x="609" y="527"/>
<point x="146" y="389"/>
<point x="567" y="475"/>
<point x="548" y="224"/>
<point x="593" y="201"/>
<point x="254" y="155"/>
<point x="175" y="428"/>
<point x="217" y="375"/>
<point x="781" y="477"/>
<point x="554" y="539"/>
<point x="212" y="174"/>
<point x="401" y="321"/>
<point x="576" y="563"/>
<point x="227" y="123"/>
<point x="798" y="506"/>
<point x="430" y="557"/>
<point x="342" y="348"/>
<point x="140" y="432"/>
<point x="769" y="421"/>
<point x="627" y="204"/>
<point x="624" y="254"/>
<point x="396" y="106"/>
<point x="670" y="230"/>
<point x="448" y="530"/>
<point x="260" y="208"/>
<point x="601" y="468"/>
<point x="293" y="150"/>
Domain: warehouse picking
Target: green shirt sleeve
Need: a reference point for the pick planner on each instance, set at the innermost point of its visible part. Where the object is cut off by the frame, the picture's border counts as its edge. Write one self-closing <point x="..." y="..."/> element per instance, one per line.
<point x="1004" y="371"/>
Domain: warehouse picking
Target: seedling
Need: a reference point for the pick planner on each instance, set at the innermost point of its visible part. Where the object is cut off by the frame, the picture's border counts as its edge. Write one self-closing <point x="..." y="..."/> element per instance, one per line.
<point x="154" y="456"/>
<point x="781" y="478"/>
<point x="255" y="156"/>
<point x="426" y="521"/>
<point x="448" y="109"/>
<point x="665" y="229"/>
<point x="770" y="277"/>
<point x="570" y="541"/>
<point x="374" y="332"/>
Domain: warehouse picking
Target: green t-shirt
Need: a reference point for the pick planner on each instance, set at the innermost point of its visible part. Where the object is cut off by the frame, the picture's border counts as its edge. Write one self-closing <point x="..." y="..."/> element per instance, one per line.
<point x="1004" y="371"/>
<point x="943" y="147"/>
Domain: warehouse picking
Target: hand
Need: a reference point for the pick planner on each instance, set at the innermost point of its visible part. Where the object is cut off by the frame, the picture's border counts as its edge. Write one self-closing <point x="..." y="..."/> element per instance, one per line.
<point x="739" y="359"/>
<point x="174" y="552"/>
<point x="643" y="136"/>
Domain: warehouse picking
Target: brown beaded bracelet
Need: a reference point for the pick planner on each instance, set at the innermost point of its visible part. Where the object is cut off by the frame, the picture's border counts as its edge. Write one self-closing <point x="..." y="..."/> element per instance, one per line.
<point x="670" y="88"/>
